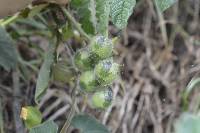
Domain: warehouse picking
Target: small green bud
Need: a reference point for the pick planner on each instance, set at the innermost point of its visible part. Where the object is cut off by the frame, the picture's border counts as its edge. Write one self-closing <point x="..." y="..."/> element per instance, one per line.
<point x="87" y="81"/>
<point x="106" y="71"/>
<point x="101" y="47"/>
<point x="31" y="116"/>
<point x="66" y="32"/>
<point x="102" y="99"/>
<point x="83" y="60"/>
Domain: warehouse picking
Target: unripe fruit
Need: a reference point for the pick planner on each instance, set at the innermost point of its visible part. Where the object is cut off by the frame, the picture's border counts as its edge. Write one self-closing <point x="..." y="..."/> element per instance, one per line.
<point x="106" y="71"/>
<point x="83" y="60"/>
<point x="87" y="81"/>
<point x="62" y="72"/>
<point x="102" y="99"/>
<point x="101" y="47"/>
<point x="66" y="32"/>
<point x="31" y="116"/>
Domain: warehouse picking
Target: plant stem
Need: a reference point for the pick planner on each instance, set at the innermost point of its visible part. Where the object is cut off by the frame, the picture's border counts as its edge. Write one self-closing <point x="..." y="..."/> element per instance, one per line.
<point x="162" y="25"/>
<point x="76" y="24"/>
<point x="71" y="58"/>
<point x="72" y="111"/>
<point x="73" y="94"/>
<point x="9" y="20"/>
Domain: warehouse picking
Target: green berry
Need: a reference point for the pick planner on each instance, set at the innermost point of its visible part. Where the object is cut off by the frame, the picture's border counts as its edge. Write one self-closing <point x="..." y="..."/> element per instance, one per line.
<point x="83" y="60"/>
<point x="102" y="99"/>
<point x="31" y="116"/>
<point x="87" y="81"/>
<point x="101" y="47"/>
<point x="106" y="71"/>
<point x="66" y="32"/>
<point x="62" y="72"/>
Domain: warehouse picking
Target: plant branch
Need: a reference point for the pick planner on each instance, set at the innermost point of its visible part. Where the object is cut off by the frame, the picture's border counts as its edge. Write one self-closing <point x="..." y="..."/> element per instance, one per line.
<point x="72" y="111"/>
<point x="71" y="58"/>
<point x="9" y="20"/>
<point x="19" y="128"/>
<point x="162" y="25"/>
<point x="76" y="24"/>
<point x="73" y="94"/>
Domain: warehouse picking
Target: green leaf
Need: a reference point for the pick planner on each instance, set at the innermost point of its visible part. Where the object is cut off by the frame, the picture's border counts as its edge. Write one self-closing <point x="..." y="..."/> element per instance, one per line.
<point x="121" y="11"/>
<point x="164" y="4"/>
<point x="93" y="14"/>
<point x="45" y="72"/>
<point x="32" y="11"/>
<point x="194" y="83"/>
<point x="36" y="9"/>
<point x="8" y="53"/>
<point x="88" y="124"/>
<point x="32" y="22"/>
<point x="188" y="123"/>
<point x="87" y="14"/>
<point x="46" y="127"/>
<point x="102" y="14"/>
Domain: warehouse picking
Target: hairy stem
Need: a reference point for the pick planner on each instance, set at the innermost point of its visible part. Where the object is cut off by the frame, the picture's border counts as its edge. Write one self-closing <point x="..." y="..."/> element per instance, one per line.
<point x="73" y="95"/>
<point x="76" y="24"/>
<point x="72" y="111"/>
<point x="9" y="20"/>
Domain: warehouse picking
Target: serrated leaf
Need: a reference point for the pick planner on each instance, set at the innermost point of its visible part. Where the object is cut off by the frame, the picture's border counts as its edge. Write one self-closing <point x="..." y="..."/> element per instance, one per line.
<point x="164" y="4"/>
<point x="46" y="127"/>
<point x="87" y="14"/>
<point x="8" y="54"/>
<point x="45" y="72"/>
<point x="102" y="14"/>
<point x="121" y="11"/>
<point x="187" y="123"/>
<point x="88" y="124"/>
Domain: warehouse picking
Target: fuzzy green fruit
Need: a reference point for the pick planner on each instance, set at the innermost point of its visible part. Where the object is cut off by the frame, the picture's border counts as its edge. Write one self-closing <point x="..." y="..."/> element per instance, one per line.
<point x="101" y="47"/>
<point x="88" y="81"/>
<point x="83" y="60"/>
<point x="106" y="71"/>
<point x="31" y="116"/>
<point x="62" y="72"/>
<point x="66" y="32"/>
<point x="102" y="99"/>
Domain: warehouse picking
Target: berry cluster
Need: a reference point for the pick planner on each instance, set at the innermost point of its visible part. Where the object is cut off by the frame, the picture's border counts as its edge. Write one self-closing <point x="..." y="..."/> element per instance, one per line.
<point x="98" y="70"/>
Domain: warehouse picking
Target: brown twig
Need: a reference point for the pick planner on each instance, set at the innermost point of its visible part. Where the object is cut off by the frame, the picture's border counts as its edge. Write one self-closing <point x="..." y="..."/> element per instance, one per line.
<point x="1" y="118"/>
<point x="19" y="128"/>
